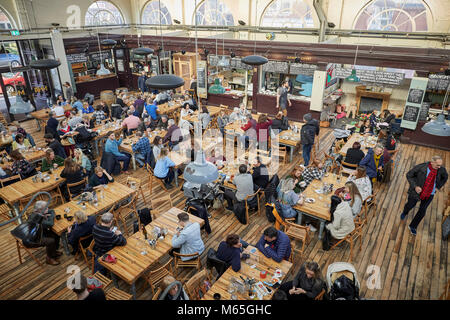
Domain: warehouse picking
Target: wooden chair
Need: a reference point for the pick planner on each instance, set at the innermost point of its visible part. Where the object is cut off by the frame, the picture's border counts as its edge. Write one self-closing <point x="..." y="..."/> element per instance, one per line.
<point x="116" y="294"/>
<point x="91" y="250"/>
<point x="160" y="202"/>
<point x="138" y="186"/>
<point x="157" y="294"/>
<point x="5" y="212"/>
<point x="334" y="165"/>
<point x="279" y="221"/>
<point x="76" y="184"/>
<point x="104" y="280"/>
<point x="15" y="177"/>
<point x="82" y="249"/>
<point x="338" y="146"/>
<point x="371" y="202"/>
<point x="56" y="194"/>
<point x="297" y="232"/>
<point x="361" y="218"/>
<point x="154" y="277"/>
<point x="126" y="210"/>
<point x="192" y="263"/>
<point x="195" y="285"/>
<point x="248" y="208"/>
<point x="320" y="295"/>
<point x="347" y="171"/>
<point x="151" y="178"/>
<point x="282" y="154"/>
<point x="351" y="239"/>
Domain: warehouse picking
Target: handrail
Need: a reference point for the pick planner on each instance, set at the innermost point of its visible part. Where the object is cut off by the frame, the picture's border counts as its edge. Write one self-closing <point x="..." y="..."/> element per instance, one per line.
<point x="26" y="207"/>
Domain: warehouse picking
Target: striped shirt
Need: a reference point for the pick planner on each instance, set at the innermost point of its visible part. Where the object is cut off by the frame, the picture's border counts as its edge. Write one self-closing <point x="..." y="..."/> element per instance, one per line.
<point x="106" y="240"/>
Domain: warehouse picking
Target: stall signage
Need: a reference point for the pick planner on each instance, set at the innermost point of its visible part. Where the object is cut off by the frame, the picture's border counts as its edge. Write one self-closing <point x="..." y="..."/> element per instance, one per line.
<point x="276" y="66"/>
<point x="237" y="63"/>
<point x="302" y="68"/>
<point x="76" y="58"/>
<point x="414" y="102"/>
<point x="15" y="32"/>
<point x="394" y="78"/>
<point x="438" y="82"/>
<point x="202" y="80"/>
<point x="96" y="55"/>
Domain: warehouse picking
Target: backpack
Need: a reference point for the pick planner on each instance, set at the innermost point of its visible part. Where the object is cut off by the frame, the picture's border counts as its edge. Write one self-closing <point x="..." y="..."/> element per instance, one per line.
<point x="145" y="217"/>
<point x="269" y="214"/>
<point x="344" y="289"/>
<point x="239" y="211"/>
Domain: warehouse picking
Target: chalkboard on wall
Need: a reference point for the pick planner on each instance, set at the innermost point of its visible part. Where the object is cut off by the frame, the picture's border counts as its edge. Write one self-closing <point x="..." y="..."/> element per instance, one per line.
<point x="276" y="66"/>
<point x="367" y="105"/>
<point x="411" y="113"/>
<point x="424" y="111"/>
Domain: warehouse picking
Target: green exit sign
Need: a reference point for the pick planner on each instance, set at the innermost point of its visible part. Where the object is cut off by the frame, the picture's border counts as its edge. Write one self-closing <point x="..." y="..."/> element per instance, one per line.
<point x="15" y="33"/>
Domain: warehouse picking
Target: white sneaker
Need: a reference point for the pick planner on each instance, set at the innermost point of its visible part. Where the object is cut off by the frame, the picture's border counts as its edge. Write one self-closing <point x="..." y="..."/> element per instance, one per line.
<point x="311" y="228"/>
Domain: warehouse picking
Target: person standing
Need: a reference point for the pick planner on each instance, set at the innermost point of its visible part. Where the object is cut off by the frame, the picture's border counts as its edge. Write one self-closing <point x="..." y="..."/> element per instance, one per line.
<point x="68" y="91"/>
<point x="282" y="97"/>
<point x="141" y="82"/>
<point x="308" y="132"/>
<point x="424" y="179"/>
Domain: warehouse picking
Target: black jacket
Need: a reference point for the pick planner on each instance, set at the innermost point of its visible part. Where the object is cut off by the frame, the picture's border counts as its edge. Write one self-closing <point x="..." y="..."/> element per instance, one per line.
<point x="354" y="156"/>
<point x="312" y="286"/>
<point x="417" y="176"/>
<point x="309" y="131"/>
<point x="57" y="148"/>
<point x="260" y="176"/>
<point x="280" y="124"/>
<point x="110" y="163"/>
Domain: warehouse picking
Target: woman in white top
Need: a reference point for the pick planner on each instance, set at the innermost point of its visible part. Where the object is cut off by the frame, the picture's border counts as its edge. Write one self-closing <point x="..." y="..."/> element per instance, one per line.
<point x="362" y="182"/>
<point x="157" y="146"/>
<point x="58" y="110"/>
<point x="204" y="117"/>
<point x="183" y="114"/>
<point x="234" y="116"/>
<point x="352" y="195"/>
<point x="341" y="218"/>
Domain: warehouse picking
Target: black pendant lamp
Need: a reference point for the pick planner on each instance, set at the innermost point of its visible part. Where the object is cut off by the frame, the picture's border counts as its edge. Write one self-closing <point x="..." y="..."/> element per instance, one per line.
<point x="143" y="51"/>
<point x="108" y="42"/>
<point x="165" y="82"/>
<point x="45" y="64"/>
<point x="254" y="60"/>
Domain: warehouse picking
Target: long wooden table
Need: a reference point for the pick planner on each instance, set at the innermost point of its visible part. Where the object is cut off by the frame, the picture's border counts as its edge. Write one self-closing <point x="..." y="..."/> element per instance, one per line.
<point x="213" y="111"/>
<point x="320" y="209"/>
<point x="136" y="257"/>
<point x="31" y="155"/>
<point x="43" y="115"/>
<point x="259" y="262"/>
<point x="367" y="141"/>
<point x="113" y="194"/>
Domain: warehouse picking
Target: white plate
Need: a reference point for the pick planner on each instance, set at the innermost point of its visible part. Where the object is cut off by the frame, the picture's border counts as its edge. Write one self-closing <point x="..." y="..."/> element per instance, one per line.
<point x="310" y="200"/>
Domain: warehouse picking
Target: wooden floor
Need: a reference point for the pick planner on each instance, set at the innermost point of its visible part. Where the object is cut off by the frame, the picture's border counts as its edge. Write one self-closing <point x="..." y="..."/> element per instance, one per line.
<point x="410" y="267"/>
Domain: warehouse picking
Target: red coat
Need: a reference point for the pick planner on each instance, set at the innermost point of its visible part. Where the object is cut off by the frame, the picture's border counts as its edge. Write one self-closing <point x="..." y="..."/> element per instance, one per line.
<point x="262" y="132"/>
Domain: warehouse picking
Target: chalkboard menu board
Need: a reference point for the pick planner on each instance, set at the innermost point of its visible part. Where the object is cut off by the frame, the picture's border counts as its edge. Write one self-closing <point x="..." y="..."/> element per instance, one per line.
<point x="213" y="60"/>
<point x="237" y="63"/>
<point x="367" y="105"/>
<point x="394" y="78"/>
<point x="302" y="68"/>
<point x="438" y="82"/>
<point x="276" y="66"/>
<point x="424" y="111"/>
<point x="411" y="113"/>
<point x="202" y="79"/>
<point x="76" y="58"/>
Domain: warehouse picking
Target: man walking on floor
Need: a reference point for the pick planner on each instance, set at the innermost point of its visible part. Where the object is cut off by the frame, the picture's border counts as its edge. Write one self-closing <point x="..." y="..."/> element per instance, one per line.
<point x="307" y="135"/>
<point x="423" y="180"/>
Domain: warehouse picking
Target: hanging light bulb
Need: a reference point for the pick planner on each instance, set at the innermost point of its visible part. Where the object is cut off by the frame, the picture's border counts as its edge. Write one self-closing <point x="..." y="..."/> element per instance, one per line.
<point x="20" y="106"/>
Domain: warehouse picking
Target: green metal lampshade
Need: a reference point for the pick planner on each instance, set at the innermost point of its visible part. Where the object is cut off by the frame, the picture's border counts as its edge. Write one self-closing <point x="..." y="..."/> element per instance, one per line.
<point x="437" y="127"/>
<point x="353" y="77"/>
<point x="20" y="106"/>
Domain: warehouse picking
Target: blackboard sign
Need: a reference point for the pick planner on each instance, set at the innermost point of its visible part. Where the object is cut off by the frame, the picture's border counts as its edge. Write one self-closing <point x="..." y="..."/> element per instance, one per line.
<point x="302" y="68"/>
<point x="411" y="113"/>
<point x="76" y="58"/>
<point x="438" y="82"/>
<point x="96" y="55"/>
<point x="276" y="66"/>
<point x="202" y="79"/>
<point x="424" y="111"/>
<point x="394" y="78"/>
<point x="212" y="60"/>
<point x="367" y="105"/>
<point x="237" y="63"/>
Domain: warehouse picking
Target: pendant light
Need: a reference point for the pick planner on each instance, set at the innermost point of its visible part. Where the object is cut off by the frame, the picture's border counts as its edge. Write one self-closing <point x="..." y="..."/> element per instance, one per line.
<point x="353" y="77"/>
<point x="143" y="51"/>
<point x="255" y="60"/>
<point x="439" y="127"/>
<point x="20" y="106"/>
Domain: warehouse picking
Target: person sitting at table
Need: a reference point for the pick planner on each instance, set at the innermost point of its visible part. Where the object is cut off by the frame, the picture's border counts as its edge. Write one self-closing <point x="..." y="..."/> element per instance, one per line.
<point x="145" y="125"/>
<point x="20" y="165"/>
<point x="249" y="132"/>
<point x="296" y="174"/>
<point x="52" y="124"/>
<point x="163" y="168"/>
<point x="151" y="109"/>
<point x="230" y="251"/>
<point x="173" y="135"/>
<point x="262" y="131"/>
<point x="307" y="284"/>
<point x="244" y="187"/>
<point x="73" y="173"/>
<point x="243" y="112"/>
<point x="83" y="293"/>
<point x="112" y="146"/>
<point x="163" y="122"/>
<point x="354" y="154"/>
<point x="131" y="122"/>
<point x="275" y="244"/>
<point x="139" y="106"/>
<point x="58" y="111"/>
<point x="341" y="219"/>
<point x="74" y="119"/>
<point x="234" y="116"/>
<point x="82" y="160"/>
<point x="23" y="132"/>
<point x="222" y="120"/>
<point x="187" y="239"/>
<point x="204" y="117"/>
<point x="260" y="175"/>
<point x="20" y="143"/>
<point x="99" y="114"/>
<point x="87" y="108"/>
<point x="105" y="239"/>
<point x="314" y="171"/>
<point x="351" y="194"/>
<point x="171" y="289"/>
<point x="365" y="128"/>
<point x="50" y="240"/>
<point x="100" y="177"/>
<point x="288" y="198"/>
<point x="157" y="146"/>
<point x="60" y="101"/>
<point x="81" y="228"/>
<point x="141" y="148"/>
<point x="105" y="109"/>
<point x="362" y="182"/>
<point x="373" y="120"/>
<point x="373" y="162"/>
<point x="185" y="112"/>
<point x="50" y="160"/>
<point x="280" y="123"/>
<point x="78" y="104"/>
<point x="55" y="145"/>
<point x="213" y="158"/>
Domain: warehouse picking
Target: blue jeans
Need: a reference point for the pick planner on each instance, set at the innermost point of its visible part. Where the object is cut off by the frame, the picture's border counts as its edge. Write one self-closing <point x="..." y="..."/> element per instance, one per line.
<point x="169" y="178"/>
<point x="30" y="138"/>
<point x="140" y="158"/>
<point x="98" y="267"/>
<point x="307" y="153"/>
<point x="126" y="161"/>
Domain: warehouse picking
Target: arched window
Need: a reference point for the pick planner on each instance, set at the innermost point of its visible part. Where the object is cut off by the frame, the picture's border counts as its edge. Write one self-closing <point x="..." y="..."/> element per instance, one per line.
<point x="103" y="13"/>
<point x="152" y="14"/>
<point x="214" y="13"/>
<point x="288" y="13"/>
<point x="5" y="22"/>
<point x="393" y="15"/>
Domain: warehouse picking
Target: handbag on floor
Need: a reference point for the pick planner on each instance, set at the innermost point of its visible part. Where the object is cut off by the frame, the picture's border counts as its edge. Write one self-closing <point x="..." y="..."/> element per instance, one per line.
<point x="326" y="240"/>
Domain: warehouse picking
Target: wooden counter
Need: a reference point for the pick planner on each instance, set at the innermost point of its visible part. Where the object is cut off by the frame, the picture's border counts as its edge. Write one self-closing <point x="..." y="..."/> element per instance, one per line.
<point x="97" y="85"/>
<point x="230" y="100"/>
<point x="267" y="104"/>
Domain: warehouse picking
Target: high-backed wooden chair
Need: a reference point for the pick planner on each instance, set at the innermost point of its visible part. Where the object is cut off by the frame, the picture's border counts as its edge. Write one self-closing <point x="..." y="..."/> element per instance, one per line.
<point x="351" y="239"/>
<point x="90" y="249"/>
<point x="159" y="203"/>
<point x="195" y="287"/>
<point x="279" y="221"/>
<point x="247" y="206"/>
<point x="152" y="179"/>
<point x="155" y="276"/>
<point x="12" y="178"/>
<point x="56" y="194"/>
<point x="446" y="294"/>
<point x="297" y="232"/>
<point x="157" y="294"/>
<point x="282" y="154"/>
<point x="320" y="295"/>
<point x="116" y="294"/>
<point x="125" y="211"/>
<point x="104" y="280"/>
<point x="5" y="212"/>
<point x="347" y="171"/>
<point x="137" y="185"/>
<point x="338" y="146"/>
<point x="82" y="249"/>
<point x="194" y="262"/>
<point x="371" y="201"/>
<point x="76" y="184"/>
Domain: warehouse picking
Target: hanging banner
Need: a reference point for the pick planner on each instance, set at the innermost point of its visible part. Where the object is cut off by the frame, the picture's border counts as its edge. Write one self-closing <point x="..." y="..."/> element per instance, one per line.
<point x="414" y="103"/>
<point x="202" y="80"/>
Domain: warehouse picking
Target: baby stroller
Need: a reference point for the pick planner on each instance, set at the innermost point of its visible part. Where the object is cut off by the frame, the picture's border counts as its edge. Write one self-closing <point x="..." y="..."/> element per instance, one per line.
<point x="342" y="281"/>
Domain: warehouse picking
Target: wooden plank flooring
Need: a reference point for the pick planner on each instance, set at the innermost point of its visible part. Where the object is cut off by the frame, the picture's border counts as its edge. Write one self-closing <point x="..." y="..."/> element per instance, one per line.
<point x="410" y="267"/>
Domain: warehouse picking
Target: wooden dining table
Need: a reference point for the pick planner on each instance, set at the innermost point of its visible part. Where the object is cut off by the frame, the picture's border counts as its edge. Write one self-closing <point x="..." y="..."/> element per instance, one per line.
<point x="136" y="257"/>
<point x="320" y="208"/>
<point x="213" y="112"/>
<point x="113" y="193"/>
<point x="42" y="115"/>
<point x="250" y="268"/>
<point x="366" y="141"/>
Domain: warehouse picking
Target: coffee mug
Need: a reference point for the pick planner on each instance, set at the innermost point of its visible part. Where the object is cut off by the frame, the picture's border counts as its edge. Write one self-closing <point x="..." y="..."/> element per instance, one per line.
<point x="217" y="296"/>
